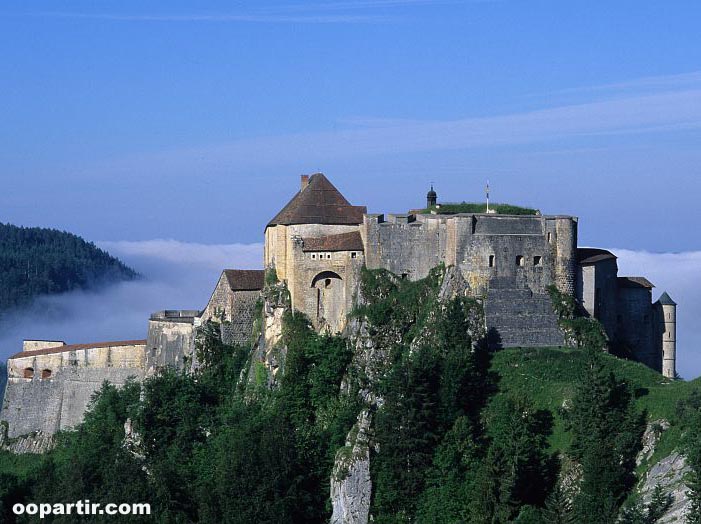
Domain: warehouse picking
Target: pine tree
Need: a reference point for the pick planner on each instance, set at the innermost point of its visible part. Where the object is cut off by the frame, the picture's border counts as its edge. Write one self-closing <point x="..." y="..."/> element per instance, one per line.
<point x="606" y="437"/>
<point x="558" y="508"/>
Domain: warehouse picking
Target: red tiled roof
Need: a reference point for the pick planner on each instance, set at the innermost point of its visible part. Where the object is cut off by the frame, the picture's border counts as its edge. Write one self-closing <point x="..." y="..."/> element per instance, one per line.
<point x="245" y="279"/>
<point x="74" y="347"/>
<point x="319" y="202"/>
<point x="342" y="242"/>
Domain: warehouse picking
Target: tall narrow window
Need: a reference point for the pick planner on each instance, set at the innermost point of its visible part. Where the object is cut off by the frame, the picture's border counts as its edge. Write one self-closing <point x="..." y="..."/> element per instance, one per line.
<point x="491" y="260"/>
<point x="550" y="238"/>
<point x="520" y="261"/>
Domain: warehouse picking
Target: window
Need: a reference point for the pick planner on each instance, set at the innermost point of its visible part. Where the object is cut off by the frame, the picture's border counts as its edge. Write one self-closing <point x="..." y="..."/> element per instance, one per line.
<point x="45" y="373"/>
<point x="28" y="372"/>
<point x="550" y="238"/>
<point x="520" y="261"/>
<point x="313" y="255"/>
<point x="537" y="261"/>
<point x="354" y="254"/>
<point x="405" y="276"/>
<point x="491" y="260"/>
<point x="328" y="255"/>
<point x="327" y="282"/>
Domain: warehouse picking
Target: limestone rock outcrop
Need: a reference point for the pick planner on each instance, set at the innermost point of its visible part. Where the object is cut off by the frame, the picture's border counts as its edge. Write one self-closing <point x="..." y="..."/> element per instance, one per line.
<point x="351" y="485"/>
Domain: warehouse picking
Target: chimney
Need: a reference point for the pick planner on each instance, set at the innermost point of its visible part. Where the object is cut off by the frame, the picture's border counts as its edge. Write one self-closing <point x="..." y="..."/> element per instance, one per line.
<point x="305" y="181"/>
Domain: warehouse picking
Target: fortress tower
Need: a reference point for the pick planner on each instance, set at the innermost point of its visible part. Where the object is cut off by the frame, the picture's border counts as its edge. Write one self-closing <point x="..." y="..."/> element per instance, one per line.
<point x="667" y="313"/>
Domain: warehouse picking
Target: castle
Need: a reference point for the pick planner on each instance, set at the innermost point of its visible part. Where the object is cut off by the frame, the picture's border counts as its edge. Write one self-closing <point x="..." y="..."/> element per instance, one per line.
<point x="317" y="245"/>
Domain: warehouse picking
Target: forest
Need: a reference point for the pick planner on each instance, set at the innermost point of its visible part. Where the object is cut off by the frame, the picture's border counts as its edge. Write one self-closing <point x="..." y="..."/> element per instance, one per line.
<point x="461" y="433"/>
<point x="38" y="261"/>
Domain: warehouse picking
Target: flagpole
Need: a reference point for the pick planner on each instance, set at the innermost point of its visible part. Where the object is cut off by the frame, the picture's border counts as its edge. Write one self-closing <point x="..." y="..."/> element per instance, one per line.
<point x="487" y="191"/>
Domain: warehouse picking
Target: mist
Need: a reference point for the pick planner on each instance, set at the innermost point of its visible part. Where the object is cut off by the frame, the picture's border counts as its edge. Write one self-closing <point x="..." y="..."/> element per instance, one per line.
<point x="176" y="275"/>
<point x="180" y="275"/>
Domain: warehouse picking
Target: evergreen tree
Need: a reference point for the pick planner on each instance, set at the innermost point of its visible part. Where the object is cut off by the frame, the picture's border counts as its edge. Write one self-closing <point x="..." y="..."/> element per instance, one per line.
<point x="606" y="437"/>
<point x="37" y="261"/>
<point x="558" y="508"/>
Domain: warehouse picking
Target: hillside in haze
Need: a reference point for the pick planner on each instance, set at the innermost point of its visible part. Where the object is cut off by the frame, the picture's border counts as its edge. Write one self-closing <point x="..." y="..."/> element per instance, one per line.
<point x="38" y="261"/>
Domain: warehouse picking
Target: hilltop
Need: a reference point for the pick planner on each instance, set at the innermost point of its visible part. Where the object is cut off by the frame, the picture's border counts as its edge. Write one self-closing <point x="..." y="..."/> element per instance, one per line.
<point x="37" y="261"/>
<point x="409" y="417"/>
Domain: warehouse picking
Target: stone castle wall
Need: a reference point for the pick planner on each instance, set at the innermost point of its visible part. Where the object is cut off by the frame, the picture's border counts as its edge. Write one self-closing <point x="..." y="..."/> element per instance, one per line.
<point x="239" y="329"/>
<point x="323" y="284"/>
<point x="639" y="326"/>
<point x="536" y="251"/>
<point x="170" y="341"/>
<point x="61" y="385"/>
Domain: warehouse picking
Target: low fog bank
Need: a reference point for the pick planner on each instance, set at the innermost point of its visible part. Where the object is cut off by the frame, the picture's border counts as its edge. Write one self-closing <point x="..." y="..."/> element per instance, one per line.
<point x="680" y="275"/>
<point x="180" y="275"/>
<point x="177" y="275"/>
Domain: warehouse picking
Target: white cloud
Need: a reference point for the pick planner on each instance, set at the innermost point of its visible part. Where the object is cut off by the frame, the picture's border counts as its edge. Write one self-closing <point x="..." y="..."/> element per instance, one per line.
<point x="678" y="274"/>
<point x="177" y="275"/>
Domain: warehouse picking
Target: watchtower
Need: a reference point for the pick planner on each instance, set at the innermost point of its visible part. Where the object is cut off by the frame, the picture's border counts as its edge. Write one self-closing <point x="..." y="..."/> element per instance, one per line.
<point x="668" y="327"/>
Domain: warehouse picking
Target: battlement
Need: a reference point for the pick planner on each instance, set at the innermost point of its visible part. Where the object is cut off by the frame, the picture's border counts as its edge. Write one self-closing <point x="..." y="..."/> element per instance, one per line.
<point x="176" y="315"/>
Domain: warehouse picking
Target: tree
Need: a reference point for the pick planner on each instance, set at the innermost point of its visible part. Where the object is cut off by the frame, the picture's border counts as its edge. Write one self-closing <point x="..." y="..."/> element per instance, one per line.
<point x="606" y="432"/>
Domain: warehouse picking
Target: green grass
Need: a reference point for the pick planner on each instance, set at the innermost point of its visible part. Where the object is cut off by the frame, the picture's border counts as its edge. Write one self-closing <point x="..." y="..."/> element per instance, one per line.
<point x="479" y="207"/>
<point x="548" y="377"/>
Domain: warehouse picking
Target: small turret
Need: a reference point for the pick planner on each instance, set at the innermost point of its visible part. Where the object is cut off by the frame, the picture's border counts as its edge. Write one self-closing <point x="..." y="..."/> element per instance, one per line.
<point x="431" y="198"/>
<point x="668" y="329"/>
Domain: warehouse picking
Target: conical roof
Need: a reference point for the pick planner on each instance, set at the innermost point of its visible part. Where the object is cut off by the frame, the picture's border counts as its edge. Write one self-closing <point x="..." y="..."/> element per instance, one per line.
<point x="319" y="202"/>
<point x="666" y="300"/>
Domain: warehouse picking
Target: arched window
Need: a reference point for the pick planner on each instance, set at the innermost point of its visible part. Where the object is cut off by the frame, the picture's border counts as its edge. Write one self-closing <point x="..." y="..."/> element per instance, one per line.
<point x="520" y="261"/>
<point x="28" y="372"/>
<point x="45" y="373"/>
<point x="326" y="278"/>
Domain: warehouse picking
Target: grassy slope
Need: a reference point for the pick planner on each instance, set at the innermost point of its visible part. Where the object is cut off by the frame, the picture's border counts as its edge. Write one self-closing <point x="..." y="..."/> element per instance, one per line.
<point x="548" y="375"/>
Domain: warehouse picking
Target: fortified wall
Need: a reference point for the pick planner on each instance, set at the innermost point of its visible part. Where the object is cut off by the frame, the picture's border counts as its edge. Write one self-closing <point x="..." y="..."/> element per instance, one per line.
<point x="317" y="245"/>
<point x="48" y="389"/>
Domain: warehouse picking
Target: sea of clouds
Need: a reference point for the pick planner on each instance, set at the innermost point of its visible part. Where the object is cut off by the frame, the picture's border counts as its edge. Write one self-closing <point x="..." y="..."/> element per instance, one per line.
<point x="179" y="275"/>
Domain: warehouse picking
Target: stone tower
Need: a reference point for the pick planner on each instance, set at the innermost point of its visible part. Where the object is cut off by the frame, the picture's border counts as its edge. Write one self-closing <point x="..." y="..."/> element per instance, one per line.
<point x="668" y="328"/>
<point x="431" y="198"/>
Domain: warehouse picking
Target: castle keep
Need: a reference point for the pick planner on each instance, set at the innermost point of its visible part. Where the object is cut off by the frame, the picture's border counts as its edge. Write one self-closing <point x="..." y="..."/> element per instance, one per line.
<point x="319" y="241"/>
<point x="317" y="246"/>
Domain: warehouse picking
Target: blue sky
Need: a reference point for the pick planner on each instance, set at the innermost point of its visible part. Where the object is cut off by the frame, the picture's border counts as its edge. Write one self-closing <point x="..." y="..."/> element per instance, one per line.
<point x="190" y="122"/>
<point x="151" y="119"/>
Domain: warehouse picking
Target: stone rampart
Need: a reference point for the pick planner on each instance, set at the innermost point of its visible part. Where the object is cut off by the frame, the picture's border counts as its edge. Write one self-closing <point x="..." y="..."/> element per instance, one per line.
<point x="49" y="389"/>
